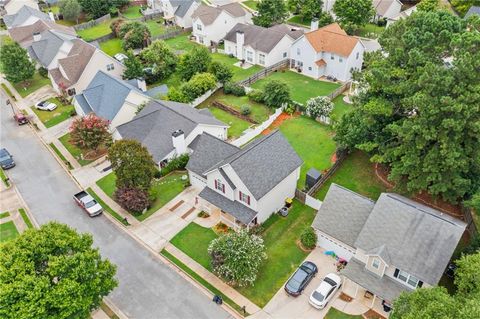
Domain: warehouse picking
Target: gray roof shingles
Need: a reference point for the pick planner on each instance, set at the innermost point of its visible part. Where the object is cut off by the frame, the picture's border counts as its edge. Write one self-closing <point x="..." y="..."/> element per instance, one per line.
<point x="473" y="10"/>
<point x="22" y="15"/>
<point x="48" y="46"/>
<point x="182" y="6"/>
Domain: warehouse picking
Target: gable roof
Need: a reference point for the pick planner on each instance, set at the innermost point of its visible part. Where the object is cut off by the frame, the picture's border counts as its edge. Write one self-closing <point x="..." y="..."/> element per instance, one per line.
<point x="182" y="6"/>
<point x="343" y="214"/>
<point x="104" y="95"/>
<point x="262" y="39"/>
<point x="381" y="6"/>
<point x="48" y="46"/>
<point x="420" y="240"/>
<point x="13" y="20"/>
<point x="24" y="35"/>
<point x="473" y="10"/>
<point x="154" y="125"/>
<point x="332" y="38"/>
<point x="208" y="14"/>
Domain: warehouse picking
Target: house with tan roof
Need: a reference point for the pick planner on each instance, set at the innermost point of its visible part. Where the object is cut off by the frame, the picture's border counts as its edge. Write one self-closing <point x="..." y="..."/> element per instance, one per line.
<point x="13" y="6"/>
<point x="211" y="24"/>
<point x="24" y="35"/>
<point x="328" y="51"/>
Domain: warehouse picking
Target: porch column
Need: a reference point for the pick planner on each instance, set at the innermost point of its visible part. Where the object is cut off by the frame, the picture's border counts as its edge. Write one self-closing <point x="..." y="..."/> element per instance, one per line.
<point x="356" y="290"/>
<point x="373" y="300"/>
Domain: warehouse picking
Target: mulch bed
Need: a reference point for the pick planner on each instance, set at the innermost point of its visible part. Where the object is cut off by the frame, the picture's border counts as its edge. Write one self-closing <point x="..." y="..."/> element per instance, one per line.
<point x="372" y="314"/>
<point x="345" y="297"/>
<point x="278" y="121"/>
<point x="302" y="248"/>
<point x="92" y="155"/>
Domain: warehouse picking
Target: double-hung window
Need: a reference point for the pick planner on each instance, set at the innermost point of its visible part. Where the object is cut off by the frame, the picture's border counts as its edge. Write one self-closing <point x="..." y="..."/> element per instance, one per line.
<point x="244" y="198"/>
<point x="250" y="56"/>
<point x="219" y="186"/>
<point x="110" y="67"/>
<point x="261" y="59"/>
<point x="405" y="277"/>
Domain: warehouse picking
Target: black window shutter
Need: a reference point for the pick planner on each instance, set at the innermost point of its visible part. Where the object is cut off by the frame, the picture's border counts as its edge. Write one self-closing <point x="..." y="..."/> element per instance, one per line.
<point x="395" y="274"/>
<point x="420" y="284"/>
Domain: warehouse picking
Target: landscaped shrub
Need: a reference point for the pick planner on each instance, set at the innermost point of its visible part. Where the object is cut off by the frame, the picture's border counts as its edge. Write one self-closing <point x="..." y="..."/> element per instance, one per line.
<point x="176" y="95"/>
<point x="135" y="35"/>
<point x="233" y="88"/>
<point x="276" y="93"/>
<point x="382" y="22"/>
<point x="319" y="106"/>
<point x="196" y="61"/>
<point x="199" y="84"/>
<point x="290" y="109"/>
<point x="116" y="25"/>
<point x="245" y="109"/>
<point x="174" y="164"/>
<point x="308" y="238"/>
<point x="132" y="199"/>
<point x="43" y="72"/>
<point x="256" y="96"/>
<point x="221" y="71"/>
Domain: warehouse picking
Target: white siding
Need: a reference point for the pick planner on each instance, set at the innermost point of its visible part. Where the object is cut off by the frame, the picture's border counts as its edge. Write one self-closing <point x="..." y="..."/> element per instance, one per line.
<point x="129" y="109"/>
<point x="302" y="51"/>
<point x="215" y="175"/>
<point x="196" y="180"/>
<point x="330" y="244"/>
<point x="218" y="29"/>
<point x="276" y="54"/>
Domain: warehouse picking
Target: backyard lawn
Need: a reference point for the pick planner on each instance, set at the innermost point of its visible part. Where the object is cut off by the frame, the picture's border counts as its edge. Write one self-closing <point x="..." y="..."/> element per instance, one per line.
<point x="96" y="31"/>
<point x="36" y="82"/>
<point x="237" y="125"/>
<point x="181" y="43"/>
<point x="337" y="314"/>
<point x="60" y="114"/>
<point x="357" y="174"/>
<point x="194" y="240"/>
<point x="163" y="190"/>
<point x="370" y="30"/>
<point x="156" y="27"/>
<point x="300" y="20"/>
<point x="74" y="150"/>
<point x="238" y="73"/>
<point x="252" y="4"/>
<point x="8" y="231"/>
<point x="112" y="46"/>
<point x="301" y="87"/>
<point x="340" y="108"/>
<point x="132" y="12"/>
<point x="312" y="141"/>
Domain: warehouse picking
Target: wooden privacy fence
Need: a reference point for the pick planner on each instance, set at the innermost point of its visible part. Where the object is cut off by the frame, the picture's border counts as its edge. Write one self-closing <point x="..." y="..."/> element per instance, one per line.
<point x="265" y="72"/>
<point x="92" y="23"/>
<point x="341" y="155"/>
<point x="232" y="111"/>
<point x="345" y="86"/>
<point x="171" y="34"/>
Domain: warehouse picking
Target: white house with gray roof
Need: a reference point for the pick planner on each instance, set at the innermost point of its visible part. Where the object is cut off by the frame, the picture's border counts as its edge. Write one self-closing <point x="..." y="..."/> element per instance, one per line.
<point x="26" y="15"/>
<point x="244" y="185"/>
<point x="49" y="46"/>
<point x="391" y="245"/>
<point x="110" y="98"/>
<point x="14" y="6"/>
<point x="179" y="11"/>
<point x="211" y="24"/>
<point x="259" y="45"/>
<point x="168" y="129"/>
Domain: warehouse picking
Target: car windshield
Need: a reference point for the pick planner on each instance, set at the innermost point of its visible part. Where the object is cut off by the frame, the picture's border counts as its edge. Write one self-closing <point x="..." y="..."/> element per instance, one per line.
<point x="42" y="103"/>
<point x="91" y="204"/>
<point x="4" y="155"/>
<point x="330" y="281"/>
<point x="318" y="296"/>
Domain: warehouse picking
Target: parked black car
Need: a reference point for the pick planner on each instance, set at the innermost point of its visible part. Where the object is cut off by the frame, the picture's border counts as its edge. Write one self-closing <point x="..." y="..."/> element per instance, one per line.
<point x="301" y="278"/>
<point x="6" y="160"/>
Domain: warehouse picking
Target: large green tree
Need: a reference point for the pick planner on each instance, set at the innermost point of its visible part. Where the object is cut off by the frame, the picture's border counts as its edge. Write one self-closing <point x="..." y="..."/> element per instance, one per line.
<point x="52" y="273"/>
<point x="16" y="65"/>
<point x="70" y="9"/>
<point x="270" y="12"/>
<point x="132" y="164"/>
<point x="353" y="14"/>
<point x="160" y="57"/>
<point x="135" y="35"/>
<point x="418" y="110"/>
<point x="90" y="132"/>
<point x="133" y="67"/>
<point x="196" y="61"/>
<point x="428" y="5"/>
<point x="95" y="8"/>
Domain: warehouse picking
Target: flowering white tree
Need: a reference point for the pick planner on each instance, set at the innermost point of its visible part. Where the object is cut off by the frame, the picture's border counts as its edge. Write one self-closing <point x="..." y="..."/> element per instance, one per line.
<point x="319" y="106"/>
<point x="237" y="256"/>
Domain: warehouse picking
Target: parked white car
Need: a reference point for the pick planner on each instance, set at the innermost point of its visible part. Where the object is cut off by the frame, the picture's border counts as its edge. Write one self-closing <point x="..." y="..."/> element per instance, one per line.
<point x="120" y="57"/>
<point x="46" y="106"/>
<point x="327" y="289"/>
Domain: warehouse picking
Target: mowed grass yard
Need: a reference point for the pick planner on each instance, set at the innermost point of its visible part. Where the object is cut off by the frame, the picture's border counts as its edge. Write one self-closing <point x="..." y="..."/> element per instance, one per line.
<point x="337" y="314"/>
<point x="73" y="149"/>
<point x="96" y="31"/>
<point x="238" y="72"/>
<point x="60" y="114"/>
<point x="237" y="125"/>
<point x="163" y="190"/>
<point x="181" y="43"/>
<point x="252" y="4"/>
<point x="299" y="20"/>
<point x="31" y="85"/>
<point x="302" y="87"/>
<point x="357" y="174"/>
<point x="112" y="47"/>
<point x="340" y="108"/>
<point x="312" y="141"/>
<point x="132" y="12"/>
<point x="8" y="231"/>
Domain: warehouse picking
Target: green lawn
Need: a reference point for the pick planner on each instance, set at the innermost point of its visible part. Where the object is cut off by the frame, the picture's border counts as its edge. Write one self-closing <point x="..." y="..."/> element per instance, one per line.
<point x="132" y="12"/>
<point x="60" y="155"/>
<point x="370" y="30"/>
<point x="31" y="85"/>
<point x="300" y="20"/>
<point x="163" y="190"/>
<point x="156" y="27"/>
<point x="60" y="114"/>
<point x="252" y="4"/>
<point x="3" y="177"/>
<point x="337" y="314"/>
<point x="74" y="150"/>
<point x="4" y="214"/>
<point x="8" y="231"/>
<point x="301" y="87"/>
<point x="181" y="43"/>
<point x="237" y="125"/>
<point x="340" y="108"/>
<point x="25" y="218"/>
<point x="194" y="240"/>
<point x="357" y="174"/>
<point x="112" y="47"/>
<point x="96" y="31"/>
<point x="312" y="141"/>
<point x="238" y="73"/>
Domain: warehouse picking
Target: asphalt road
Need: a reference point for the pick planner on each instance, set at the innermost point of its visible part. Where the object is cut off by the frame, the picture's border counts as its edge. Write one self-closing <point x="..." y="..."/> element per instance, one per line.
<point x="147" y="287"/>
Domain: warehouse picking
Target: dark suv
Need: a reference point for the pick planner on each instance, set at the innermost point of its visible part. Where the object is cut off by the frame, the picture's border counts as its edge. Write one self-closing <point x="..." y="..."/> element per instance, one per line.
<point x="6" y="160"/>
<point x="301" y="278"/>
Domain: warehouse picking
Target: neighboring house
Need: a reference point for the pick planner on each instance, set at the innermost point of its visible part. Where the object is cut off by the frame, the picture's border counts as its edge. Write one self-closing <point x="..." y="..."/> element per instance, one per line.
<point x="179" y="11"/>
<point x="49" y="46"/>
<point x="77" y="69"/>
<point x="14" y="6"/>
<point x="167" y="129"/>
<point x="25" y="16"/>
<point x="402" y="15"/>
<point x="387" y="9"/>
<point x="391" y="245"/>
<point x="211" y="24"/>
<point x="328" y="51"/>
<point x="473" y="10"/>
<point x="24" y="35"/>
<point x="110" y="98"/>
<point x="241" y="184"/>
<point x="258" y="45"/>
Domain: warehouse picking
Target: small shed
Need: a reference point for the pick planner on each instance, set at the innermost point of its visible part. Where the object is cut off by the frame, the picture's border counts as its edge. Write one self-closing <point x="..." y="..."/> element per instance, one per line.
<point x="313" y="176"/>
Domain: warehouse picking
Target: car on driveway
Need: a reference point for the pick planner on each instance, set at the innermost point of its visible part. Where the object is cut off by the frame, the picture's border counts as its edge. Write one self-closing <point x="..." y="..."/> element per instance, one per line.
<point x="6" y="160"/>
<point x="46" y="106"/>
<point x="325" y="291"/>
<point x="301" y="278"/>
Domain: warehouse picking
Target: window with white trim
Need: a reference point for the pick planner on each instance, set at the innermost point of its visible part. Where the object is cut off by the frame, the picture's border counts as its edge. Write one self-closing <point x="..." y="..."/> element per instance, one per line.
<point x="375" y="263"/>
<point x="261" y="59"/>
<point x="284" y="54"/>
<point x="244" y="198"/>
<point x="199" y="27"/>
<point x="408" y="279"/>
<point x="219" y="186"/>
<point x="340" y="60"/>
<point x="110" y="67"/>
<point x="250" y="56"/>
<point x="358" y="55"/>
<point x="332" y="57"/>
<point x="298" y="51"/>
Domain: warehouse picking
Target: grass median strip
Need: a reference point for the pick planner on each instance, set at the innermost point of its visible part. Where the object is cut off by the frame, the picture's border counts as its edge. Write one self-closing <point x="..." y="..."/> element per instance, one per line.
<point x="7" y="90"/>
<point x="59" y="154"/>
<point x="5" y="214"/>
<point x="25" y="218"/>
<point x="4" y="178"/>
<point x="106" y="207"/>
<point x="202" y="281"/>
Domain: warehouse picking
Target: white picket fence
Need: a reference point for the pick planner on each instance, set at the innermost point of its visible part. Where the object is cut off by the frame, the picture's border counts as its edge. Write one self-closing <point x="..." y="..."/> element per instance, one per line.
<point x="252" y="133"/>
<point x="199" y="100"/>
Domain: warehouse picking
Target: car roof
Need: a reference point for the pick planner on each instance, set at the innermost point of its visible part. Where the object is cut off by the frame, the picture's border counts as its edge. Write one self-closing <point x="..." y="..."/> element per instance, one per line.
<point x="4" y="151"/>
<point x="324" y="288"/>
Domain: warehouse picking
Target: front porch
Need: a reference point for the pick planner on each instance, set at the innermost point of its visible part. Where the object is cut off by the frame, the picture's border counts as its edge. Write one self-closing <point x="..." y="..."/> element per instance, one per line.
<point x="363" y="297"/>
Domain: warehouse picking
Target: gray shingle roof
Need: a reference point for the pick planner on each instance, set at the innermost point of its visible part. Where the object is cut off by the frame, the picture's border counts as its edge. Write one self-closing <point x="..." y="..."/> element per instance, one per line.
<point x="105" y="95"/>
<point x="385" y="287"/>
<point x="262" y="39"/>
<point x="208" y="14"/>
<point x="48" y="46"/>
<point x="473" y="10"/>
<point x="154" y="125"/>
<point x="182" y="6"/>
<point x="419" y="240"/>
<point x="234" y="208"/>
<point x="343" y="214"/>
<point x="25" y="12"/>
<point x="24" y="35"/>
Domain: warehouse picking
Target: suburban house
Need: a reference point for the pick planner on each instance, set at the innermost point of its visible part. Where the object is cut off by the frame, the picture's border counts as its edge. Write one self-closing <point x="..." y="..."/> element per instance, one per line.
<point x="258" y="45"/>
<point x="211" y="24"/>
<point x="25" y="16"/>
<point x="241" y="184"/>
<point x="473" y="10"/>
<point x="386" y="9"/>
<point x="402" y="15"/>
<point x="391" y="245"/>
<point x="75" y="71"/>
<point x="167" y="129"/>
<point x="24" y="35"/>
<point x="328" y="51"/>
<point x="179" y="11"/>
<point x="14" y="6"/>
<point x="111" y="98"/>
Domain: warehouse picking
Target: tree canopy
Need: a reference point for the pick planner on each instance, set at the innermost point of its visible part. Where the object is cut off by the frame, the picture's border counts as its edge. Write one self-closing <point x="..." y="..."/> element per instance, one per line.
<point x="90" y="132"/>
<point x="133" y="67"/>
<point x="160" y="57"/>
<point x="16" y="65"/>
<point x="418" y="110"/>
<point x="353" y="14"/>
<point x="195" y="61"/>
<point x="52" y="273"/>
<point x="270" y="12"/>
<point x="70" y="9"/>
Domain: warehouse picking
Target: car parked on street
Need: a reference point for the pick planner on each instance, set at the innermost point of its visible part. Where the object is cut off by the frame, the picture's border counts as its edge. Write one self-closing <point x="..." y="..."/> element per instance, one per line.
<point x="301" y="278"/>
<point x="6" y="159"/>
<point x="88" y="203"/>
<point x="20" y="118"/>
<point x="325" y="291"/>
<point x="46" y="106"/>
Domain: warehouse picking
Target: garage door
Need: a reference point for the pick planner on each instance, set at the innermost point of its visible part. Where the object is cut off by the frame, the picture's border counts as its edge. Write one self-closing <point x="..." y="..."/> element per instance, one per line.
<point x="196" y="180"/>
<point x="337" y="247"/>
